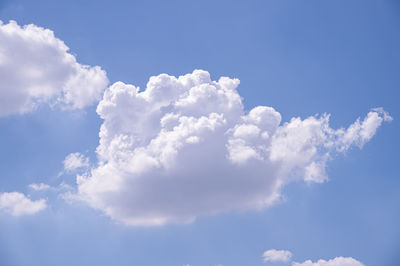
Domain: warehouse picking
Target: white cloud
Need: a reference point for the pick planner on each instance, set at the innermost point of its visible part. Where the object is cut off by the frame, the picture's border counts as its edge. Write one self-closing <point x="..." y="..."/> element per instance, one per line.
<point x="185" y="147"/>
<point x="75" y="161"/>
<point x="38" y="187"/>
<point x="361" y="132"/>
<point x="17" y="204"/>
<point x="338" y="261"/>
<point x="274" y="255"/>
<point x="36" y="67"/>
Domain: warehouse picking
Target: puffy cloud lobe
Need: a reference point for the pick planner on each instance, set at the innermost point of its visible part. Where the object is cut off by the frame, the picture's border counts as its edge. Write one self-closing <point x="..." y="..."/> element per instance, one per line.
<point x="338" y="261"/>
<point x="185" y="147"/>
<point x="36" y="67"/>
<point x="75" y="161"/>
<point x="17" y="204"/>
<point x="274" y="255"/>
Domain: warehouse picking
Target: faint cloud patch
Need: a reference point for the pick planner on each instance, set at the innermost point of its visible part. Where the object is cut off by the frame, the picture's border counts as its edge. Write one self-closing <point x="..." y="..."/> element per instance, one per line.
<point x="75" y="161"/>
<point x="39" y="187"/>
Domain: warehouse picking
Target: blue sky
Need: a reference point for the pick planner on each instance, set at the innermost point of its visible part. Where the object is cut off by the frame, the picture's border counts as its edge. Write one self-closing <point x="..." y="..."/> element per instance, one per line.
<point x="301" y="58"/>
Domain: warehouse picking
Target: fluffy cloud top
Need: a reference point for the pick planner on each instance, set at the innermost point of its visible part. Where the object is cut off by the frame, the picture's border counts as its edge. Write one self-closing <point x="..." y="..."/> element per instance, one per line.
<point x="17" y="204"/>
<point x="75" y="161"/>
<point x="36" y="67"/>
<point x="274" y="255"/>
<point x="185" y="147"/>
<point x="339" y="261"/>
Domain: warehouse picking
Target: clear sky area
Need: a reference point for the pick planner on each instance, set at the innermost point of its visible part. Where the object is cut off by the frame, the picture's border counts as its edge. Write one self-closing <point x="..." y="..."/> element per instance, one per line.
<point x="168" y="133"/>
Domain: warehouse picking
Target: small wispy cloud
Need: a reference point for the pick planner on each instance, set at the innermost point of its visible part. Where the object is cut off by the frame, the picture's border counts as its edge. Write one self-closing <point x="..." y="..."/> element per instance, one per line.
<point x="338" y="261"/>
<point x="39" y="187"/>
<point x="285" y="256"/>
<point x="75" y="161"/>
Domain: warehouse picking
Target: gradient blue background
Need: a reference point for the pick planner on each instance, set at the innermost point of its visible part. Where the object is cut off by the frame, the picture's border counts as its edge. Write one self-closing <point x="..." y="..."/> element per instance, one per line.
<point x="300" y="57"/>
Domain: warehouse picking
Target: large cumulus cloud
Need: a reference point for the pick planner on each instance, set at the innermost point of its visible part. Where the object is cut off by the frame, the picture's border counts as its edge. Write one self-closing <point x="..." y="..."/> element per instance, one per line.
<point x="185" y="147"/>
<point x="36" y="67"/>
